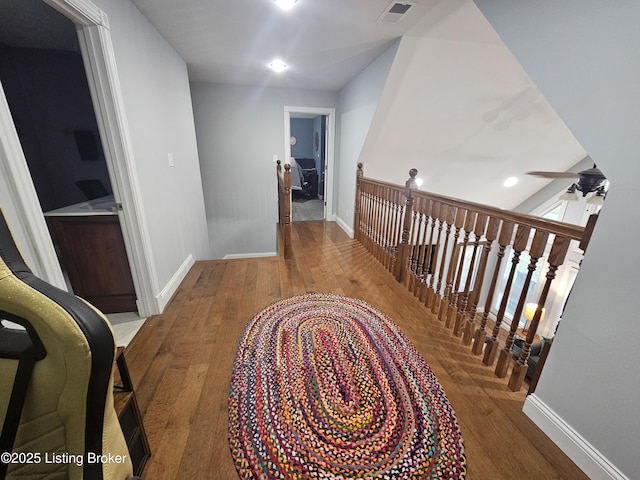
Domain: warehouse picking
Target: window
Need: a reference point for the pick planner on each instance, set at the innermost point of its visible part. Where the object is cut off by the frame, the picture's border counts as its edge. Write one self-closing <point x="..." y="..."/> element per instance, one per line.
<point x="556" y="212"/>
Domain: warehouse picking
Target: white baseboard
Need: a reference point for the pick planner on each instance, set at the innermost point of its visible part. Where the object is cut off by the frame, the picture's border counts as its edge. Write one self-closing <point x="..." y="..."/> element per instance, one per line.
<point x="576" y="447"/>
<point x="170" y="288"/>
<point x="348" y="230"/>
<point x="233" y="256"/>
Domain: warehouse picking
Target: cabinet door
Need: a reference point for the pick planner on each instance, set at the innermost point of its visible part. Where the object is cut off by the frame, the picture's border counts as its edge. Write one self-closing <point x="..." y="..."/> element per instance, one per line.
<point x="93" y="254"/>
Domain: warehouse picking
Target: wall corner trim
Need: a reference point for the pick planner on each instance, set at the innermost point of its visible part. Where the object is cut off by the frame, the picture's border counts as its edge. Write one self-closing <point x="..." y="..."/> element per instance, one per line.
<point x="343" y="225"/>
<point x="163" y="298"/>
<point x="574" y="445"/>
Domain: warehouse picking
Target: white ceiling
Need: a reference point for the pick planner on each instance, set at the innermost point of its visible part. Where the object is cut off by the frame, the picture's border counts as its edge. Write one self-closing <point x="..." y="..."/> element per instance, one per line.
<point x="325" y="43"/>
<point x="34" y="24"/>
<point x="483" y="113"/>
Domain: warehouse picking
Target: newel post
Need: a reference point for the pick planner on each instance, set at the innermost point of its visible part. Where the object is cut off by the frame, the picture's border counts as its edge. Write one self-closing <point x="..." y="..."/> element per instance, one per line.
<point x="356" y="208"/>
<point x="286" y="212"/>
<point x="403" y="248"/>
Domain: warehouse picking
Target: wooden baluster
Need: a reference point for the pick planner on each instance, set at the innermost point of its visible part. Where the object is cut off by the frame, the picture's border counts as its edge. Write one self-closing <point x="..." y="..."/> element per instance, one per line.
<point x="519" y="245"/>
<point x="478" y="232"/>
<point x="412" y="260"/>
<point x="448" y="216"/>
<point x="380" y="204"/>
<point x="490" y="236"/>
<point x="506" y="233"/>
<point x="365" y="214"/>
<point x="432" y="253"/>
<point x="364" y="199"/>
<point x="384" y="221"/>
<point x="370" y="220"/>
<point x="395" y="240"/>
<point x="422" y="275"/>
<point x="452" y="314"/>
<point x="377" y="191"/>
<point x="388" y="226"/>
<point x="415" y="247"/>
<point x="375" y="203"/>
<point x="556" y="258"/>
<point x="535" y="252"/>
<point x="356" y="209"/>
<point x="403" y="252"/>
<point x="448" y="290"/>
<point x="391" y="241"/>
<point x="424" y="247"/>
<point x="369" y="217"/>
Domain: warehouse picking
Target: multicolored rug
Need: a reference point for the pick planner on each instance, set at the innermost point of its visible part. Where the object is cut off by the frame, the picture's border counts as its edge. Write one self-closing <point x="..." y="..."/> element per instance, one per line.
<point x="326" y="386"/>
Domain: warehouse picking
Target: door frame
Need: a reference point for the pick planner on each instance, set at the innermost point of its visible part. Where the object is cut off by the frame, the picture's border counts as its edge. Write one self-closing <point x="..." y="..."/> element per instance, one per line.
<point x="99" y="59"/>
<point x="330" y="113"/>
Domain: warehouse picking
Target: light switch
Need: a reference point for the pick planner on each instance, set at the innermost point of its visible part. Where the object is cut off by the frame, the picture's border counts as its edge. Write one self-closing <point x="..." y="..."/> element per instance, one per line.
<point x="275" y="157"/>
<point x="171" y="162"/>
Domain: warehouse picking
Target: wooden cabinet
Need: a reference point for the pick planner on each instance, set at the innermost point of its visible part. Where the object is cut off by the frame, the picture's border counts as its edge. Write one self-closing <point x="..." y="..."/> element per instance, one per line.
<point x="93" y="254"/>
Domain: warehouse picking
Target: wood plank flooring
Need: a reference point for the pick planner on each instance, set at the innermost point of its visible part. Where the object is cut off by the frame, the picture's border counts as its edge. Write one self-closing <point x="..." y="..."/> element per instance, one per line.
<point x="181" y="361"/>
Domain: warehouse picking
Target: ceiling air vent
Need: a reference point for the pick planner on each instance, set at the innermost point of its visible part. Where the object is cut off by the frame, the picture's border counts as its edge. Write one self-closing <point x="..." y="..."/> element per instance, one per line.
<point x="395" y="12"/>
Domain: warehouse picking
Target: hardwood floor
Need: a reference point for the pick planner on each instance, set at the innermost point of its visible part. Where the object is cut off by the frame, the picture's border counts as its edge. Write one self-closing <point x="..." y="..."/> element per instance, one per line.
<point x="181" y="361"/>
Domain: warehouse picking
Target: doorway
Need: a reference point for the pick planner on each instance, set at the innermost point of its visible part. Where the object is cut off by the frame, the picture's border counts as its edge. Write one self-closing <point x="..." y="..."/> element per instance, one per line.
<point x="45" y="85"/>
<point x="308" y="135"/>
<point x="309" y="141"/>
<point x="95" y="46"/>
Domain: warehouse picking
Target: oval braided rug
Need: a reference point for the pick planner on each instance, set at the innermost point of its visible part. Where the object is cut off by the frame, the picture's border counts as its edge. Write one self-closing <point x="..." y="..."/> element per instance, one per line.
<point x="326" y="386"/>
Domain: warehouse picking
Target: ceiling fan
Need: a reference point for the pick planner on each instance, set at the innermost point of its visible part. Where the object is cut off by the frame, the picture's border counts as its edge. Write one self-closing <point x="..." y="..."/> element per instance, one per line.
<point x="588" y="181"/>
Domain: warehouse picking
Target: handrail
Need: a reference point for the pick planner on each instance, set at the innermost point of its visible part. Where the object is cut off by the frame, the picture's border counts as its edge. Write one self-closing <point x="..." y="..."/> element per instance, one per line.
<point x="284" y="209"/>
<point x="575" y="232"/>
<point x="450" y="253"/>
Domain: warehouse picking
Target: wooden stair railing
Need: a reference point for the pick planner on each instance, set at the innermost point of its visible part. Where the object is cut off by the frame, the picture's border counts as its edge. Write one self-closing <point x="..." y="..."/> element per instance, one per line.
<point x="284" y="210"/>
<point x="450" y="254"/>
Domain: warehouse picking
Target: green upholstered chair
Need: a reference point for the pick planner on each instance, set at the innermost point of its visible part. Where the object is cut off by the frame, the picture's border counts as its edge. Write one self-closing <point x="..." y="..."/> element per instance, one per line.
<point x="56" y="380"/>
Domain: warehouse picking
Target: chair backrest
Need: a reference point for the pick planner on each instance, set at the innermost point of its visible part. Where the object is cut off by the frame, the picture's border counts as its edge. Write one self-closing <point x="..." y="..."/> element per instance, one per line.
<point x="297" y="180"/>
<point x="66" y="415"/>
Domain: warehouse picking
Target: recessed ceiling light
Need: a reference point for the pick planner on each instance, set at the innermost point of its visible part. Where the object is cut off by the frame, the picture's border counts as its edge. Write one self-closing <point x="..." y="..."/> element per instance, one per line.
<point x="277" y="66"/>
<point x="286" y="4"/>
<point x="511" y="181"/>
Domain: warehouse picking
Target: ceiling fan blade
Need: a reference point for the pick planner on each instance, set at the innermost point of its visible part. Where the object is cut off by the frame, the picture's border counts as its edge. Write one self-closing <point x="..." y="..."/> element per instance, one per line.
<point x="554" y="174"/>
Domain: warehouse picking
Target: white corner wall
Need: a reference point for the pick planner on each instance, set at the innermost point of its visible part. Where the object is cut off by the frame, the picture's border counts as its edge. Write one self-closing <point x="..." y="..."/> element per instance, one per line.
<point x="357" y="104"/>
<point x="155" y="89"/>
<point x="239" y="130"/>
<point x="584" y="56"/>
<point x="458" y="107"/>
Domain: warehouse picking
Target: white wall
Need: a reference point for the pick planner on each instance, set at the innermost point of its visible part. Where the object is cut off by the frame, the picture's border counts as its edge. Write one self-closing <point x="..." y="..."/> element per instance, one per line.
<point x="458" y="107"/>
<point x="584" y="56"/>
<point x="239" y="129"/>
<point x="356" y="107"/>
<point x="157" y="102"/>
